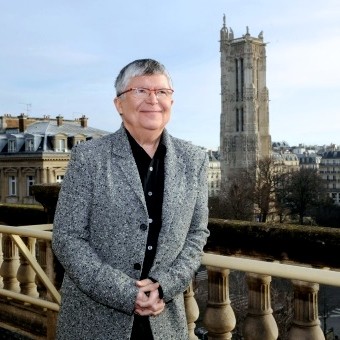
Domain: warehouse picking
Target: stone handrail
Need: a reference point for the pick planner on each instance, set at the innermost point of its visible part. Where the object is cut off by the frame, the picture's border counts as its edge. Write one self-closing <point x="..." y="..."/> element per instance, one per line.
<point x="262" y="251"/>
<point x="305" y="255"/>
<point x="19" y="270"/>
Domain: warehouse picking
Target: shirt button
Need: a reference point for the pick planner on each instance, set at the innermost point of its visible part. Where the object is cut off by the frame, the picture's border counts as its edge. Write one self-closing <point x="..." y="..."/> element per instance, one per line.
<point x="137" y="266"/>
<point x="151" y="168"/>
<point x="149" y="247"/>
<point x="150" y="193"/>
<point x="143" y="227"/>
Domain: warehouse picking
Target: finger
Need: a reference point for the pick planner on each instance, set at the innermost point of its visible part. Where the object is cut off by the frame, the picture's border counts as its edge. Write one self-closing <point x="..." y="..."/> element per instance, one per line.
<point x="154" y="304"/>
<point x="152" y="300"/>
<point x="150" y="287"/>
<point x="159" y="310"/>
<point x="142" y="283"/>
<point x="143" y="311"/>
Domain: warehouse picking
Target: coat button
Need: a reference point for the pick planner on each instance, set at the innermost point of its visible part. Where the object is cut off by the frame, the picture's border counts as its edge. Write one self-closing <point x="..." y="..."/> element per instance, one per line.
<point x="137" y="266"/>
<point x="143" y="227"/>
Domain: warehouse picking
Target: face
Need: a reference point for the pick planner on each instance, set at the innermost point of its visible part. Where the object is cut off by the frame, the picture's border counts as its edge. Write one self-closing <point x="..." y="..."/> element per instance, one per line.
<point x="145" y="115"/>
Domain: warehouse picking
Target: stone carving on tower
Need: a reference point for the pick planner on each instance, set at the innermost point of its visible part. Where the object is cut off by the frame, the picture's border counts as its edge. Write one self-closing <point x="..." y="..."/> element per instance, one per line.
<point x="244" y="130"/>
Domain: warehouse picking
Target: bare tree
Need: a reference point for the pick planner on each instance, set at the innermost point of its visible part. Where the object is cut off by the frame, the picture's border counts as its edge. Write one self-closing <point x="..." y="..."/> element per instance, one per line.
<point x="264" y="187"/>
<point x="306" y="190"/>
<point x="237" y="201"/>
<point x="281" y="188"/>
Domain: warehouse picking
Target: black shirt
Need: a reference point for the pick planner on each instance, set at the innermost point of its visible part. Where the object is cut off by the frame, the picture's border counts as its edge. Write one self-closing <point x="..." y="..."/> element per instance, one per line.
<point x="151" y="172"/>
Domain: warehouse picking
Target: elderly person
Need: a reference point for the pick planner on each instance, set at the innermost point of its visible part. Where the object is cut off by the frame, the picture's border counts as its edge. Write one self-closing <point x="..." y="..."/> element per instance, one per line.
<point x="131" y="220"/>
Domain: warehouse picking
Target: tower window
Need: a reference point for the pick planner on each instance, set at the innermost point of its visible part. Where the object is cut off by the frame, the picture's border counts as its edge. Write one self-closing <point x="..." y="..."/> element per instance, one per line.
<point x="236" y="79"/>
<point x="242" y="78"/>
<point x="237" y="120"/>
<point x="242" y="119"/>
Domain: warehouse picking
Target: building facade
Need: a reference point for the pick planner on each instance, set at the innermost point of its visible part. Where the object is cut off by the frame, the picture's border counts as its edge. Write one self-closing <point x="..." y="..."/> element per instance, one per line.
<point x="329" y="169"/>
<point x="214" y="173"/>
<point x="37" y="151"/>
<point x="244" y="134"/>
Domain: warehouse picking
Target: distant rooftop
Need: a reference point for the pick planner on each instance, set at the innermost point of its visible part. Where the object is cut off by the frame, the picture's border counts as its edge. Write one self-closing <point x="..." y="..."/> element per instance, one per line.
<point x="47" y="126"/>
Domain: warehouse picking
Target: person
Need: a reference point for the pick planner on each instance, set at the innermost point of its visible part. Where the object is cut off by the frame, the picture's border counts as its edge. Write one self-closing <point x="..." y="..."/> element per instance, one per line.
<point x="131" y="220"/>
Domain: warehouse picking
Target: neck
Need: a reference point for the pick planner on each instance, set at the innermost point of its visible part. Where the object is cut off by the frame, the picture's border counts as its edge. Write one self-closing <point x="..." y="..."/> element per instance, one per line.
<point x="148" y="140"/>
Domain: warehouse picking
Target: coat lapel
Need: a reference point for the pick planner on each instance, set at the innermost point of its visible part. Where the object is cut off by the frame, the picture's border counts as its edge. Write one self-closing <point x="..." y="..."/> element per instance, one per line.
<point x="126" y="162"/>
<point x="174" y="175"/>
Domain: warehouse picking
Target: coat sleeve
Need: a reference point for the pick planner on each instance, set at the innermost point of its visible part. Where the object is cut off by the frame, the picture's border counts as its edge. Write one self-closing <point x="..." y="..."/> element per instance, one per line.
<point x="176" y="278"/>
<point x="71" y="240"/>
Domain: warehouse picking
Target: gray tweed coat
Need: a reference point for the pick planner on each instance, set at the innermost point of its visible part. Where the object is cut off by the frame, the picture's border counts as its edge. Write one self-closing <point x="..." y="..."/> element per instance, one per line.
<point x="98" y="237"/>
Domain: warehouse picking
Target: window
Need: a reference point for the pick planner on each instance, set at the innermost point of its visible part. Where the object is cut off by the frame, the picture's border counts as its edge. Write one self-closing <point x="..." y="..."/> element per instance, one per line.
<point x="30" y="180"/>
<point x="12" y="145"/>
<point x="237" y="120"/>
<point x="60" y="178"/>
<point x="61" y="145"/>
<point x="236" y="79"/>
<point x="29" y="145"/>
<point x="12" y="186"/>
<point x="242" y="120"/>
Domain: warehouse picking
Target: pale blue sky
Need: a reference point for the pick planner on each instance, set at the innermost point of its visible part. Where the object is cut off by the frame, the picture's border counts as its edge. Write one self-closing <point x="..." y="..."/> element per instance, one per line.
<point x="62" y="58"/>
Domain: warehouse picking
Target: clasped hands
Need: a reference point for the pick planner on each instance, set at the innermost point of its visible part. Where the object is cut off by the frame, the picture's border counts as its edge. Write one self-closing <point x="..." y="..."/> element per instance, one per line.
<point x="147" y="301"/>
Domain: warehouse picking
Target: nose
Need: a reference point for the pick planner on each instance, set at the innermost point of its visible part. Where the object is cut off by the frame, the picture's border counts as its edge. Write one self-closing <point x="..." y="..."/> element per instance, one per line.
<point x="152" y="98"/>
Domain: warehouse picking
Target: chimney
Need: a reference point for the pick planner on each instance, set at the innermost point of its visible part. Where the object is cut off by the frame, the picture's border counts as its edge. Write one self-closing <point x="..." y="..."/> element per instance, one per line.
<point x="22" y="122"/>
<point x="60" y="120"/>
<point x="83" y="121"/>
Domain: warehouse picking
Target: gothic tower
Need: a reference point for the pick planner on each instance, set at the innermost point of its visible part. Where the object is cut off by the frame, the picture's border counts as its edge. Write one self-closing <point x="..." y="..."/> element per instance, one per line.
<point x="244" y="131"/>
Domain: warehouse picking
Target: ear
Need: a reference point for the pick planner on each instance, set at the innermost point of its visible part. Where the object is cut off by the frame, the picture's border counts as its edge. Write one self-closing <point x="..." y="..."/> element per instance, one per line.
<point x="118" y="104"/>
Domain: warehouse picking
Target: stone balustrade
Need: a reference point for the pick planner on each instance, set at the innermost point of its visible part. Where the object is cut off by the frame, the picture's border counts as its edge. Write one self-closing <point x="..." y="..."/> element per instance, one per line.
<point x="261" y="251"/>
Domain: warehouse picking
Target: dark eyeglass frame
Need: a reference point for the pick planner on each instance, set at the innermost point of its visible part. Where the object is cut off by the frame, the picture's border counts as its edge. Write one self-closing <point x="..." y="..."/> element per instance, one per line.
<point x="168" y="92"/>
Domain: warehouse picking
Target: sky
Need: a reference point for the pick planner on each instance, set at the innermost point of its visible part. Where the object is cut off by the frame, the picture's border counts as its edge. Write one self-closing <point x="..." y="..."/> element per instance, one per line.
<point x="62" y="58"/>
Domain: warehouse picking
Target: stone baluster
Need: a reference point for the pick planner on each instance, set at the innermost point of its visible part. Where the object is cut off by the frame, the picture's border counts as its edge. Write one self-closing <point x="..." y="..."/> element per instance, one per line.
<point x="41" y="258"/>
<point x="306" y="323"/>
<point x="219" y="318"/>
<point x="10" y="264"/>
<point x="259" y="322"/>
<point x="26" y="275"/>
<point x="49" y="266"/>
<point x="191" y="311"/>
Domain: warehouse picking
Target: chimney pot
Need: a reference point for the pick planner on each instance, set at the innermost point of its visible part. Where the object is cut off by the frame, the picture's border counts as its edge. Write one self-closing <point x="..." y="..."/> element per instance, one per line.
<point x="83" y="121"/>
<point x="22" y="122"/>
<point x="60" y="120"/>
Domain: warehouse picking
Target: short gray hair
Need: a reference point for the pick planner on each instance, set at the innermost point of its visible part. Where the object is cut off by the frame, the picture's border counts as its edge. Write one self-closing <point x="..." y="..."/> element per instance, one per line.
<point x="139" y="67"/>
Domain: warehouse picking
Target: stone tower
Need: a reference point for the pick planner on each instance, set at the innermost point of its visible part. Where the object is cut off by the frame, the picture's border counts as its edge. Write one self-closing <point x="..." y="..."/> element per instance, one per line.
<point x="244" y="131"/>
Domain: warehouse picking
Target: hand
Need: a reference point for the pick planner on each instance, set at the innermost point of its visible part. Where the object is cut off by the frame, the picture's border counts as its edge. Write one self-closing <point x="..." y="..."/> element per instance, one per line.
<point x="147" y="301"/>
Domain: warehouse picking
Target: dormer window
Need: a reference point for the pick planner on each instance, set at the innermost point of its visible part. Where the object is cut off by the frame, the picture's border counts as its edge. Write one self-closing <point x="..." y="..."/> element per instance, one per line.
<point x="61" y="145"/>
<point x="12" y="145"/>
<point x="29" y="145"/>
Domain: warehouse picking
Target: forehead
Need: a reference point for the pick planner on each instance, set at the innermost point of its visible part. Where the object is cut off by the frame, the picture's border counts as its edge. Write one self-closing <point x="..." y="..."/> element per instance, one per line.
<point x="150" y="81"/>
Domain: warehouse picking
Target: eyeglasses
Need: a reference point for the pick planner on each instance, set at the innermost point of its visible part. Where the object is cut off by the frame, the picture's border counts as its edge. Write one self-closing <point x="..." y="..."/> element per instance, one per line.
<point x="143" y="93"/>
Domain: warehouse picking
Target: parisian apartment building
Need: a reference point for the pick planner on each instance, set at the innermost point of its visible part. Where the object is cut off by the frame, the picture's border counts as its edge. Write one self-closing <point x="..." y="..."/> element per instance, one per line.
<point x="37" y="151"/>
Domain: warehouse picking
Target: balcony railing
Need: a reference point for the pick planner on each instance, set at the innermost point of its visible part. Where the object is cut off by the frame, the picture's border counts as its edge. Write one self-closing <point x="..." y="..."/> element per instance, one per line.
<point x="305" y="256"/>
